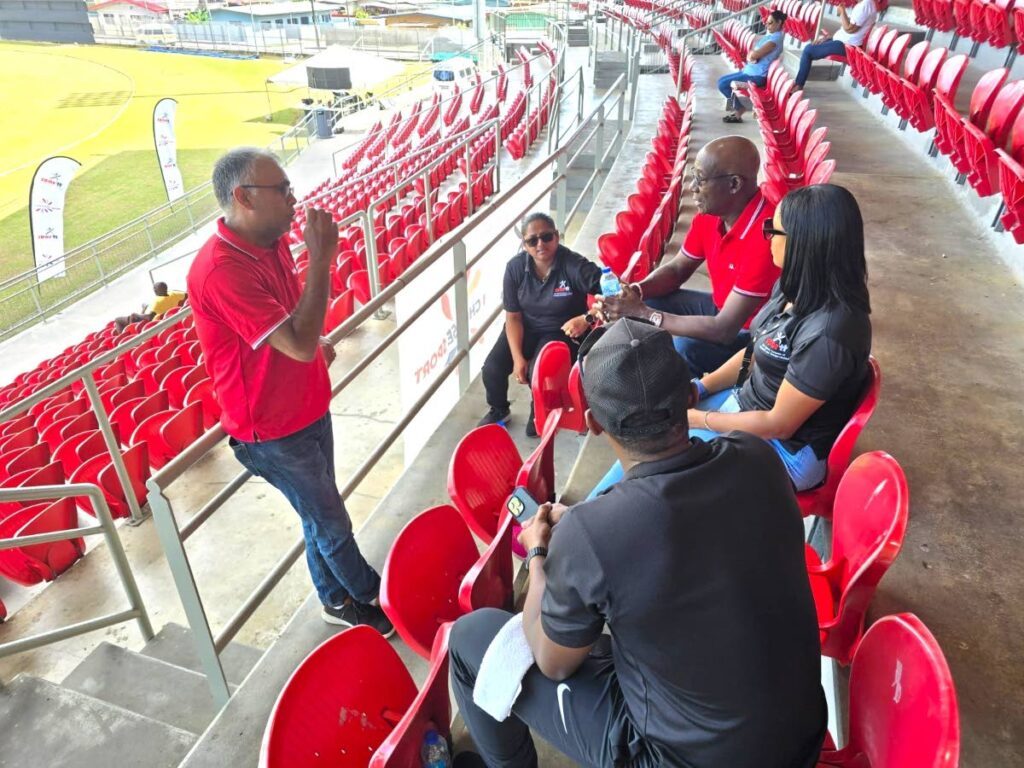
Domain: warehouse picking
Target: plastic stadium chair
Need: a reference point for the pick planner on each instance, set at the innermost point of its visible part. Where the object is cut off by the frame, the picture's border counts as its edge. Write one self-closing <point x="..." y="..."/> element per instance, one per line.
<point x="481" y="475"/>
<point x="53" y="557"/>
<point x="903" y="710"/>
<point x="419" y="589"/>
<point x="15" y="441"/>
<point x="342" y="701"/>
<point x="27" y="458"/>
<point x="182" y="429"/>
<point x="490" y="582"/>
<point x="537" y="474"/>
<point x="339" y="310"/>
<point x="981" y="145"/>
<point x="203" y="392"/>
<point x="431" y="709"/>
<point x="1011" y="180"/>
<point x="550" y="381"/>
<point x="818" y="501"/>
<point x="868" y="526"/>
<point x="136" y="461"/>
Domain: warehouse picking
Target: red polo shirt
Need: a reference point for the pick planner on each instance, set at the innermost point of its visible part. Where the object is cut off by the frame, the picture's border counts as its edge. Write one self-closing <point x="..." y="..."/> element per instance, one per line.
<point x="739" y="259"/>
<point x="240" y="294"/>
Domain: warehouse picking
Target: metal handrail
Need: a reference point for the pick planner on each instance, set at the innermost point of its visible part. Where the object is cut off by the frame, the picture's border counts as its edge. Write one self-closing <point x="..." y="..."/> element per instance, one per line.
<point x="105" y="526"/>
<point x="172" y="536"/>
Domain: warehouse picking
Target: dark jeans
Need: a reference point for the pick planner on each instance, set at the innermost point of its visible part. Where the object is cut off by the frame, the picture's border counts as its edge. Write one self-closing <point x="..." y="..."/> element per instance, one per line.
<point x="301" y="466"/>
<point x="584" y="717"/>
<point x="725" y="86"/>
<point x="498" y="365"/>
<point x="815" y="51"/>
<point x="701" y="356"/>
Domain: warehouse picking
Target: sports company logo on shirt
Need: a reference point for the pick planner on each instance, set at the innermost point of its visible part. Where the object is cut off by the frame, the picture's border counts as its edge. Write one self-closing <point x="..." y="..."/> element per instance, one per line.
<point x="562" y="289"/>
<point x="776" y="344"/>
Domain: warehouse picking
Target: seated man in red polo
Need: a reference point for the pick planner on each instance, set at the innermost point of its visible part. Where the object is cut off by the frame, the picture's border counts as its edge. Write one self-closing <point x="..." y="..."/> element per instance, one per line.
<point x="260" y="334"/>
<point x="726" y="235"/>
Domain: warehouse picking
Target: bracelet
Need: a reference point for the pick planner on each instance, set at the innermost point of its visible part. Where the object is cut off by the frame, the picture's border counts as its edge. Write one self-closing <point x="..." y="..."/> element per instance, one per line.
<point x="707" y="426"/>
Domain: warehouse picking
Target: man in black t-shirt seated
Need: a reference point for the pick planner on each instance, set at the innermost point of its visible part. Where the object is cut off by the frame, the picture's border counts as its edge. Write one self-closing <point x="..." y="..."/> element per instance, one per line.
<point x="694" y="561"/>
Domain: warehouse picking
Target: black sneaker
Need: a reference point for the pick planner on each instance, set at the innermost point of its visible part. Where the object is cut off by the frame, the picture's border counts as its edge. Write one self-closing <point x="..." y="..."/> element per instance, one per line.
<point x="353" y="614"/>
<point x="531" y="426"/>
<point x="494" y="416"/>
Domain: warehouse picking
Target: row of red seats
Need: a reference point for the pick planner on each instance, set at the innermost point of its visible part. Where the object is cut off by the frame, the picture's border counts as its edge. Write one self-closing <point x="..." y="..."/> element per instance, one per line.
<point x="801" y="18"/>
<point x="522" y="138"/>
<point x="796" y="153"/>
<point x="736" y="40"/>
<point x="999" y="23"/>
<point x="646" y="224"/>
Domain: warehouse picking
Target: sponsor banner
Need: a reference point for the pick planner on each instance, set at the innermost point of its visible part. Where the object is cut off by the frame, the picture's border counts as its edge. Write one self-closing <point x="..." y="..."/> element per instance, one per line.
<point x="167" y="147"/>
<point x="46" y="214"/>
<point x="431" y="342"/>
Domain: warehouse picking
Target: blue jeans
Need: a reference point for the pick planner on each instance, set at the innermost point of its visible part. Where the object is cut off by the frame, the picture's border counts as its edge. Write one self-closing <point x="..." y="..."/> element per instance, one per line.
<point x="725" y="82"/>
<point x="815" y="51"/>
<point x="301" y="466"/>
<point x="701" y="356"/>
<point x="805" y="469"/>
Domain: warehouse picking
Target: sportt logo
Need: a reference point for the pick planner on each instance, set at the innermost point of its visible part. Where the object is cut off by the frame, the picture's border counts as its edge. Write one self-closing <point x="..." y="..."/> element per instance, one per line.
<point x="49" y="234"/>
<point x="54" y="180"/>
<point x="448" y="345"/>
<point x="164" y="118"/>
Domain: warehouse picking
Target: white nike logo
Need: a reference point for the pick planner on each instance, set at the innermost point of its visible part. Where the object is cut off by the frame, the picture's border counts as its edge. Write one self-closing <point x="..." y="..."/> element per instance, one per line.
<point x="562" y="690"/>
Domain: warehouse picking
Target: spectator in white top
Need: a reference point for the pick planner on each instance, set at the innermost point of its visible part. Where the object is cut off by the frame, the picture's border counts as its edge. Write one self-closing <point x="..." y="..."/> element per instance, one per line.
<point x="854" y="29"/>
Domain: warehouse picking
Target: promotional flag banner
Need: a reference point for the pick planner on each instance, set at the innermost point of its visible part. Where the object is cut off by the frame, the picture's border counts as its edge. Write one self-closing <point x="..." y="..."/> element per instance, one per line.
<point x="167" y="147"/>
<point x="46" y="214"/>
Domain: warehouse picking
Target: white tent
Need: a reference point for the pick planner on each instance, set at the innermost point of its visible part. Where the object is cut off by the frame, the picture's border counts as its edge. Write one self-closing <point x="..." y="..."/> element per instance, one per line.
<point x="367" y="71"/>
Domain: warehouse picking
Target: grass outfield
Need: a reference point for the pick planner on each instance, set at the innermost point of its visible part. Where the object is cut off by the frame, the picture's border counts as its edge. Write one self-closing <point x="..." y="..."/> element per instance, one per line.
<point x="95" y="104"/>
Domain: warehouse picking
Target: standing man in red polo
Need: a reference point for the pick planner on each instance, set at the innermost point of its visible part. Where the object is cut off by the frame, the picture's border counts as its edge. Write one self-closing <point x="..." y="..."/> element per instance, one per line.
<point x="726" y="235"/>
<point x="260" y="334"/>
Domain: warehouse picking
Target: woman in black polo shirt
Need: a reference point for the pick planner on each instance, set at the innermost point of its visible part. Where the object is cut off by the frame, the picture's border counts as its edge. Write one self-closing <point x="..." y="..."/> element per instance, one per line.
<point x="545" y="299"/>
<point x="811" y="341"/>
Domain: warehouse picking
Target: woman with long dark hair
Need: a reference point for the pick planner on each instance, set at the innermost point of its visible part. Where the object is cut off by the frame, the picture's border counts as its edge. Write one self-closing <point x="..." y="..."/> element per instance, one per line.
<point x="810" y="344"/>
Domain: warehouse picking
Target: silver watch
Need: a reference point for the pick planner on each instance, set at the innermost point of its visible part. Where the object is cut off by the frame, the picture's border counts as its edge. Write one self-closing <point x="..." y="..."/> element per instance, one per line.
<point x="656" y="319"/>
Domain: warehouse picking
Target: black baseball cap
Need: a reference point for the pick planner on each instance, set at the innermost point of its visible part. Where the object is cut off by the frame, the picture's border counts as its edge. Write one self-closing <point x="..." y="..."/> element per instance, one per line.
<point x="635" y="382"/>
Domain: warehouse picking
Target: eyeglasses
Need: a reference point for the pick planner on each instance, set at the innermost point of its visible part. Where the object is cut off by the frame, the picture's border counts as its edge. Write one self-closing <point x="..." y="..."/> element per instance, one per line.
<point x="285" y="187"/>
<point x="543" y="237"/>
<point x="769" y="231"/>
<point x="700" y="181"/>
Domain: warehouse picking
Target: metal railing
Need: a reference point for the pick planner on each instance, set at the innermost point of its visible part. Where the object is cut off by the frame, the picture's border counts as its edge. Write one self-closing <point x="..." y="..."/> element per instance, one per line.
<point x="105" y="527"/>
<point x="174" y="535"/>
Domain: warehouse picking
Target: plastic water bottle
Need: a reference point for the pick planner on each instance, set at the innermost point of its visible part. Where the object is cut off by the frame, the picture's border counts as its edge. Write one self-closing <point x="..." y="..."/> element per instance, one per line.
<point x="435" y="751"/>
<point x="610" y="285"/>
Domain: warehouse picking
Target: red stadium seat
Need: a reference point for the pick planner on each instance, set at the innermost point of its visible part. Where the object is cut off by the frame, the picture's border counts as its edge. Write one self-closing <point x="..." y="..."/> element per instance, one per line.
<point x="481" y="475"/>
<point x="14" y="441"/>
<point x="430" y="710"/>
<point x="903" y="709"/>
<point x="136" y="461"/>
<point x="981" y="145"/>
<point x="868" y="525"/>
<point x="359" y="284"/>
<point x="490" y="582"/>
<point x="419" y="589"/>
<point x="203" y="392"/>
<point x="357" y="673"/>
<point x="40" y="562"/>
<point x="339" y="310"/>
<point x="818" y="501"/>
<point x="24" y="459"/>
<point x="550" y="382"/>
<point x="1011" y="180"/>
<point x="537" y="474"/>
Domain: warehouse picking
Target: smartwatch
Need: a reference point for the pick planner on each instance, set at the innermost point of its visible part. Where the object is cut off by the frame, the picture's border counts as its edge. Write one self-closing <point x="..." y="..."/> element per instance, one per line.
<point x="535" y="552"/>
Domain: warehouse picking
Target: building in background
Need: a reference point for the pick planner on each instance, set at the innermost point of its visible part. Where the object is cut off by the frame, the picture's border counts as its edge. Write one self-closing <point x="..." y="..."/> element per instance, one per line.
<point x="274" y="14"/>
<point x="132" y="12"/>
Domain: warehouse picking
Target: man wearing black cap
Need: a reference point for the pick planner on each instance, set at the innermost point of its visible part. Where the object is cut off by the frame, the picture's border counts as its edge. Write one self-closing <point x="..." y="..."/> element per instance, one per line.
<point x="694" y="562"/>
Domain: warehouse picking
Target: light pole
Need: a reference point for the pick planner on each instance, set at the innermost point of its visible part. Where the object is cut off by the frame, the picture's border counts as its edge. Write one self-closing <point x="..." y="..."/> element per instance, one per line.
<point x="312" y="15"/>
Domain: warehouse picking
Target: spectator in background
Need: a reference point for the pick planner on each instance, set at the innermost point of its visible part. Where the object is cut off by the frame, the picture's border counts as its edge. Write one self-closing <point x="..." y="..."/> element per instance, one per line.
<point x="855" y="27"/>
<point x="545" y="298"/>
<point x="710" y="327"/>
<point x="766" y="50"/>
<point x="260" y="335"/>
<point x="164" y="301"/>
<point x="714" y="658"/>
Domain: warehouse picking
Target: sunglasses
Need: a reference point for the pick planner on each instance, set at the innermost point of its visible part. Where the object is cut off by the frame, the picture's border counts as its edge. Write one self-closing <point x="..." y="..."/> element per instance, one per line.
<point x="543" y="237"/>
<point x="769" y="231"/>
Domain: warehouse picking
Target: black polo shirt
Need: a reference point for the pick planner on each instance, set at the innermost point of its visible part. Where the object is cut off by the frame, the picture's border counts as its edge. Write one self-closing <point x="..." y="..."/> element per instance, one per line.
<point x="696" y="562"/>
<point x="823" y="354"/>
<point x="548" y="304"/>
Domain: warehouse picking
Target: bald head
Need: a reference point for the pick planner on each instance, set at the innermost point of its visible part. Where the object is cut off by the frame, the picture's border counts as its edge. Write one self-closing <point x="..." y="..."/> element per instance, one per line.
<point x="733" y="155"/>
<point x="725" y="177"/>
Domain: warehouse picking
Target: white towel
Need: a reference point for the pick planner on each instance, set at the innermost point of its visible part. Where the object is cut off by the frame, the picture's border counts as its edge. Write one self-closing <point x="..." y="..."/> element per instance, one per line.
<point x="507" y="660"/>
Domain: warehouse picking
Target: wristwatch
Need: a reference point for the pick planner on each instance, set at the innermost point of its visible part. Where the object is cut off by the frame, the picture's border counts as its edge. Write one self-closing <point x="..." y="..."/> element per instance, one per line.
<point x="535" y="552"/>
<point x="656" y="319"/>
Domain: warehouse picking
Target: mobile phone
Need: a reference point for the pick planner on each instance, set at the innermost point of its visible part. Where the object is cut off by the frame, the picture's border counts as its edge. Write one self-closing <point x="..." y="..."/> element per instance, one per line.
<point x="522" y="505"/>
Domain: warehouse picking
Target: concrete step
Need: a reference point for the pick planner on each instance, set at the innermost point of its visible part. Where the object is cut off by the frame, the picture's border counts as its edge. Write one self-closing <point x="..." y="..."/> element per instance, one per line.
<point x="175" y="645"/>
<point x="148" y="686"/>
<point x="45" y="724"/>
